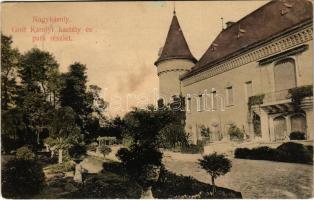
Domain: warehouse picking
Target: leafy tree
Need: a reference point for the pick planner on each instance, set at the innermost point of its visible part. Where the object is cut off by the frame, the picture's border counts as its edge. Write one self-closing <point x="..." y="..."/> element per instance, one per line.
<point x="145" y="124"/>
<point x="74" y="94"/>
<point x="63" y="130"/>
<point x="216" y="165"/>
<point x="173" y="135"/>
<point x="38" y="70"/>
<point x="9" y="62"/>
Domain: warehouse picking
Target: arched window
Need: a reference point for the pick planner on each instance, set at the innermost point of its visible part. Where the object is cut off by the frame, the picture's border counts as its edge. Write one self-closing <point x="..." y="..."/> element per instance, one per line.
<point x="298" y="123"/>
<point x="285" y="76"/>
<point x="280" y="128"/>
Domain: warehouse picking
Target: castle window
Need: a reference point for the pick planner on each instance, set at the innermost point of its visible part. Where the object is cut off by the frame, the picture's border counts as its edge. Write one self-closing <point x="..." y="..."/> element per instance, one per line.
<point x="285" y="75"/>
<point x="213" y="100"/>
<point x="189" y="105"/>
<point x="248" y="90"/>
<point x="229" y="96"/>
<point x="200" y="103"/>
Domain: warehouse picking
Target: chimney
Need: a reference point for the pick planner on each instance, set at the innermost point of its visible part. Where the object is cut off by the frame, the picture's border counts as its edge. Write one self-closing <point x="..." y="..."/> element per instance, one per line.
<point x="229" y="23"/>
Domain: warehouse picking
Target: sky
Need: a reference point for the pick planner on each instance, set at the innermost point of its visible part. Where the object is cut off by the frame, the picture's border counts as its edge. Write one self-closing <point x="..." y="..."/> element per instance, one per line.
<point x="117" y="41"/>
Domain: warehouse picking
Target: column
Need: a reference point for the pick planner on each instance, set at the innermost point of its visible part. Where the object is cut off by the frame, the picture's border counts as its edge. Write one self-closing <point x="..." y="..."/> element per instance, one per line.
<point x="265" y="126"/>
<point x="288" y="124"/>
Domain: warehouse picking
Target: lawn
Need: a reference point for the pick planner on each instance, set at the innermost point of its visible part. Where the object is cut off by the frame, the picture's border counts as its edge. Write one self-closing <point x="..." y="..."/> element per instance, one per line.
<point x="253" y="178"/>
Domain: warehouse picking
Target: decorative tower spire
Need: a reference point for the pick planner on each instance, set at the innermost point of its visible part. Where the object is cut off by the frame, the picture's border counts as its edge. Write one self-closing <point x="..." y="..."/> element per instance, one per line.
<point x="175" y="46"/>
<point x="174" y="7"/>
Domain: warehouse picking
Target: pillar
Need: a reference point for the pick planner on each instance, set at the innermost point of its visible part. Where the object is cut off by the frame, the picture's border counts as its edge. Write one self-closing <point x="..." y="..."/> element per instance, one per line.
<point x="288" y="124"/>
<point x="265" y="125"/>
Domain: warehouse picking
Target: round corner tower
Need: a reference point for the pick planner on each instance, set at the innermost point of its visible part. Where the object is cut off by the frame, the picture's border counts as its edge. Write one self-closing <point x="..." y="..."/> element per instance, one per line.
<point x="174" y="60"/>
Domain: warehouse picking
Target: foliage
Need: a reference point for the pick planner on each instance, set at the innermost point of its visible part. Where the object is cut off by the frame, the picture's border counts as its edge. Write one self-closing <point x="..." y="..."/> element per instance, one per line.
<point x="113" y="183"/>
<point x="115" y="127"/>
<point x="63" y="128"/>
<point x="24" y="153"/>
<point x="77" y="151"/>
<point x="216" y="165"/>
<point x="108" y="186"/>
<point x="105" y="150"/>
<point x="21" y="178"/>
<point x="205" y="131"/>
<point x="136" y="158"/>
<point x="298" y="93"/>
<point x="235" y="133"/>
<point x="255" y="100"/>
<point x="9" y="62"/>
<point x="144" y="125"/>
<point x="172" y="135"/>
<point x="294" y="152"/>
<point x="193" y="148"/>
<point x="13" y="129"/>
<point x="174" y="186"/>
<point x="297" y="135"/>
<point x="60" y="167"/>
<point x="287" y="152"/>
<point x="259" y="153"/>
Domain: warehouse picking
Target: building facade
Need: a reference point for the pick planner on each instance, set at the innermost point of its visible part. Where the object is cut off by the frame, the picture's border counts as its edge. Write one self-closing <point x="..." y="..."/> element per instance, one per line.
<point x="250" y="75"/>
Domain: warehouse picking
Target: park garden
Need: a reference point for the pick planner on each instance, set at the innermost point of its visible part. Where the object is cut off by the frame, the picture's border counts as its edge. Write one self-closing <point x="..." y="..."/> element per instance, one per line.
<point x="56" y="141"/>
<point x="53" y="125"/>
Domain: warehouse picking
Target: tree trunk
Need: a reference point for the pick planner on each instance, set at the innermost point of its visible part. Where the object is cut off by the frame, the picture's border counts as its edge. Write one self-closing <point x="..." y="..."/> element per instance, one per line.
<point x="147" y="193"/>
<point x="60" y="156"/>
<point x="214" y="186"/>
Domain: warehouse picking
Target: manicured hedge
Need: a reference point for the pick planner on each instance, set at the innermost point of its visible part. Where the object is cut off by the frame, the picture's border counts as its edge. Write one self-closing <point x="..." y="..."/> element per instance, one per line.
<point x="287" y="152"/>
<point x="297" y="135"/>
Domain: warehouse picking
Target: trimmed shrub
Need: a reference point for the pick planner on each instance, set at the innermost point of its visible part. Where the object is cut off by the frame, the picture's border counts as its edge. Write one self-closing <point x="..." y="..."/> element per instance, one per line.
<point x="77" y="151"/>
<point x="297" y="135"/>
<point x="24" y="153"/>
<point x="287" y="152"/>
<point x="244" y="153"/>
<point x="215" y="165"/>
<point x="193" y="148"/>
<point x="294" y="152"/>
<point x="21" y="178"/>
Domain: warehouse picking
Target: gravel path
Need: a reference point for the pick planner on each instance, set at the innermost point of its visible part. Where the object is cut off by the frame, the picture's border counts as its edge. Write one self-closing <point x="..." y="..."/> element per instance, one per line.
<point x="253" y="178"/>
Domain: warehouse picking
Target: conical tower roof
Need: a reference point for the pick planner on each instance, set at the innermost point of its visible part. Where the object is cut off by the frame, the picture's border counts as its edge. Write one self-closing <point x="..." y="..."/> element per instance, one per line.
<point x="175" y="46"/>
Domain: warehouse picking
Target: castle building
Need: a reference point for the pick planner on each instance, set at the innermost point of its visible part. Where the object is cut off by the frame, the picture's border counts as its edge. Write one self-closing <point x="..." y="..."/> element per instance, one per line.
<point x="256" y="75"/>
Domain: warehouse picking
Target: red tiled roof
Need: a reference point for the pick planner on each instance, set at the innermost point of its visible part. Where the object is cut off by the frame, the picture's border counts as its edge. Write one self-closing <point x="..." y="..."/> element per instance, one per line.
<point x="175" y="45"/>
<point x="269" y="20"/>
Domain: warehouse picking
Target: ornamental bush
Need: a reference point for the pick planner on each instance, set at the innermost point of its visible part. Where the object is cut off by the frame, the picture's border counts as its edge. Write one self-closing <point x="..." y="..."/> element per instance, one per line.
<point x="235" y="133"/>
<point x="25" y="153"/>
<point x="21" y="178"/>
<point x="77" y="151"/>
<point x="215" y="165"/>
<point x="297" y="135"/>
